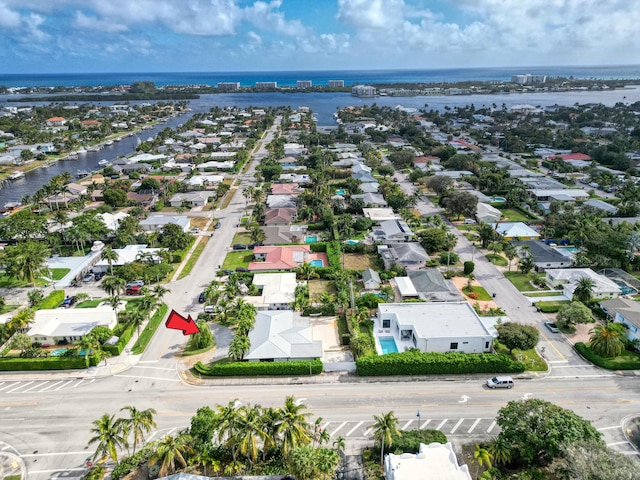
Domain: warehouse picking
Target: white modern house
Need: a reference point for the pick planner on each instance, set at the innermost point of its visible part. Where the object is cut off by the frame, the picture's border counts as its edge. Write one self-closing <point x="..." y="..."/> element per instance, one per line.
<point x="155" y="223"/>
<point x="567" y="279"/>
<point x="487" y="213"/>
<point x="282" y="336"/>
<point x="129" y="254"/>
<point x="626" y="312"/>
<point x="432" y="327"/>
<point x="62" y="326"/>
<point x="432" y="462"/>
<point x="276" y="291"/>
<point x="392" y="231"/>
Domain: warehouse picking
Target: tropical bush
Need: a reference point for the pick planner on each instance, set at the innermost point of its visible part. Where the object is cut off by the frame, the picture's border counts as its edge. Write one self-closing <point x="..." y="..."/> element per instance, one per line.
<point x="242" y="369"/>
<point x="47" y="363"/>
<point x="52" y="300"/>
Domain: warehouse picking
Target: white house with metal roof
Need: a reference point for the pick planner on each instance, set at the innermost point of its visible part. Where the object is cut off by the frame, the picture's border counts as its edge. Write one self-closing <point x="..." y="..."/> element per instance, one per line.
<point x="392" y="231"/>
<point x="513" y="230"/>
<point x="61" y="326"/>
<point x="130" y="254"/>
<point x="276" y="291"/>
<point x="435" y="461"/>
<point x="156" y="223"/>
<point x="567" y="279"/>
<point x="282" y="336"/>
<point x="433" y="327"/>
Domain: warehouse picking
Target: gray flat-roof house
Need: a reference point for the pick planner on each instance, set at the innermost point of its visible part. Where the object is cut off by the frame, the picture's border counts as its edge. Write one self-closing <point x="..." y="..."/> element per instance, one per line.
<point x="428" y="285"/>
<point x="155" y="223"/>
<point x="392" y="231"/>
<point x="626" y="312"/>
<point x="602" y="206"/>
<point x="282" y="336"/>
<point x="433" y="327"/>
<point x="371" y="279"/>
<point x="194" y="199"/>
<point x="369" y="187"/>
<point x="281" y="201"/>
<point x="544" y="256"/>
<point x="410" y="255"/>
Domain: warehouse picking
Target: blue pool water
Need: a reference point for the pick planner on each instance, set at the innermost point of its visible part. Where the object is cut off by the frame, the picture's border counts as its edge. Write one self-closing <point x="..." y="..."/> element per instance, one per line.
<point x="341" y="191"/>
<point x="316" y="263"/>
<point x="388" y="345"/>
<point x="58" y="352"/>
<point x="352" y="242"/>
<point x="624" y="288"/>
<point x="311" y="239"/>
<point x="498" y="199"/>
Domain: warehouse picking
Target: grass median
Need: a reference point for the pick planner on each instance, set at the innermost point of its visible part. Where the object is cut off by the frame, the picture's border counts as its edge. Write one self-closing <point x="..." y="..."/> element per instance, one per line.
<point x="149" y="330"/>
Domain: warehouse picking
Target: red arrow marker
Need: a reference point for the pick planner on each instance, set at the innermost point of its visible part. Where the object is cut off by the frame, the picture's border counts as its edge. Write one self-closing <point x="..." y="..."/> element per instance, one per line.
<point x="178" y="322"/>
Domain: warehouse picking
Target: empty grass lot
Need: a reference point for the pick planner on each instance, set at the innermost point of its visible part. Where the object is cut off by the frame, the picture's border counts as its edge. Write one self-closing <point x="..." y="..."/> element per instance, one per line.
<point x="522" y="281"/>
<point x="356" y="261"/>
<point x="511" y="215"/>
<point x="240" y="258"/>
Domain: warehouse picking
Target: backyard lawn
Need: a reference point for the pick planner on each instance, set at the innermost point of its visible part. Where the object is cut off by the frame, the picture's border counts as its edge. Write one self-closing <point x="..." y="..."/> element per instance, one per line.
<point x="90" y="303"/>
<point x="356" y="261"/>
<point x="497" y="259"/>
<point x="482" y="294"/>
<point x="511" y="215"/>
<point x="530" y="358"/>
<point x="522" y="281"/>
<point x="243" y="238"/>
<point x="318" y="287"/>
<point x="237" y="259"/>
<point x="59" y="273"/>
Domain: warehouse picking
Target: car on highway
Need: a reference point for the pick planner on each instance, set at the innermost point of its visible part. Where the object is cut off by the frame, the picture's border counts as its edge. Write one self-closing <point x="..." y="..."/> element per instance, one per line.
<point x="552" y="327"/>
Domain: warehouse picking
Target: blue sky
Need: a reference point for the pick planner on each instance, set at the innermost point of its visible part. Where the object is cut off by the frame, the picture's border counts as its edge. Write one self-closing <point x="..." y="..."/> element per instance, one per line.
<point x="46" y="36"/>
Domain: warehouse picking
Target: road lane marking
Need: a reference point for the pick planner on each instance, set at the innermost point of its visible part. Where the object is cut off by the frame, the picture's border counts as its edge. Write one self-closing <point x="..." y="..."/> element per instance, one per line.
<point x="558" y="361"/>
<point x="553" y="346"/>
<point x="607" y="428"/>
<point x="148" y="361"/>
<point x="324" y="427"/>
<point x="62" y="386"/>
<point x="575" y="366"/>
<point x="630" y="452"/>
<point x="51" y="386"/>
<point x="13" y="419"/>
<point x="56" y="454"/>
<point x="475" y="424"/>
<point x="352" y="430"/>
<point x="60" y="470"/>
<point x="9" y="386"/>
<point x="616" y="443"/>
<point x="151" y="436"/>
<point x="35" y="386"/>
<point x="149" y="378"/>
<point x="406" y="425"/>
<point x="453" y="430"/>
<point x="368" y="431"/>
<point x="337" y="429"/>
<point x="493" y="424"/>
<point x="581" y="376"/>
<point x="77" y="384"/>
<point x="424" y="424"/>
<point x="442" y="423"/>
<point x="156" y="368"/>
<point x="171" y="431"/>
<point x="18" y="388"/>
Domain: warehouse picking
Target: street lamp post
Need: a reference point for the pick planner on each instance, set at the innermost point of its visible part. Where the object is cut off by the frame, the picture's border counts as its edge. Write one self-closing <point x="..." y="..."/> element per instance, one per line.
<point x="418" y="415"/>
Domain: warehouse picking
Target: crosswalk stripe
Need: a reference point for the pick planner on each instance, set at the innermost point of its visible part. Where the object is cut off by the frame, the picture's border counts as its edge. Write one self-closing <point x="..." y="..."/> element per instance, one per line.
<point x="77" y="384"/>
<point x="19" y="387"/>
<point x="475" y="424"/>
<point x="35" y="386"/>
<point x="337" y="429"/>
<point x="62" y="386"/>
<point x="453" y="430"/>
<point x="406" y="425"/>
<point x="616" y="443"/>
<point x="51" y="386"/>
<point x="424" y="424"/>
<point x="368" y="431"/>
<point x="493" y="424"/>
<point x="354" y="428"/>
<point x="442" y="423"/>
<point x="324" y="427"/>
<point x="8" y="386"/>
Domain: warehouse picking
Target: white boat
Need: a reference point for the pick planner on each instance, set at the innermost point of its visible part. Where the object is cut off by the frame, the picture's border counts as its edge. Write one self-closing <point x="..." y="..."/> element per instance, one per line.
<point x="103" y="162"/>
<point x="108" y="143"/>
<point x="81" y="151"/>
<point x="16" y="175"/>
<point x="93" y="149"/>
<point x="117" y="139"/>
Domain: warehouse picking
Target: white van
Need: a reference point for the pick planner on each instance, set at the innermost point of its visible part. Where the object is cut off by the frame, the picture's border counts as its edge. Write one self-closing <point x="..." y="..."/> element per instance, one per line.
<point x="209" y="309"/>
<point x="469" y="221"/>
<point x="500" y="382"/>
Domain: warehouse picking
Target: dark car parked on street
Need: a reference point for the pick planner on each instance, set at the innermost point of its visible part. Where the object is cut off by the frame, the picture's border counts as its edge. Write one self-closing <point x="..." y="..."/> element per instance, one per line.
<point x="239" y="246"/>
<point x="201" y="298"/>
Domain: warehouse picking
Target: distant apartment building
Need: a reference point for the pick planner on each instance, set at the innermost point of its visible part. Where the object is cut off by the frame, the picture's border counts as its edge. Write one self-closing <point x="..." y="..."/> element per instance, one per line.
<point x="266" y="85"/>
<point x="363" y="91"/>
<point x="336" y="83"/>
<point x="304" y="84"/>
<point x="229" y="86"/>
<point x="528" y="79"/>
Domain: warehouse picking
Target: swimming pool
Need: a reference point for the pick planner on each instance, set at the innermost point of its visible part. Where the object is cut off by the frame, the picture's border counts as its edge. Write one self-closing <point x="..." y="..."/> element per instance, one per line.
<point x="567" y="251"/>
<point x="388" y="345"/>
<point x="311" y="239"/>
<point x="316" y="263"/>
<point x="58" y="352"/>
<point x="352" y="242"/>
<point x="498" y="199"/>
<point x="624" y="288"/>
<point x="340" y="191"/>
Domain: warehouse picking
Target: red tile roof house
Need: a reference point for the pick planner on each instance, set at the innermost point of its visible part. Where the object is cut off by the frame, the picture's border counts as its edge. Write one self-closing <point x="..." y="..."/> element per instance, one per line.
<point x="56" y="121"/>
<point x="279" y="216"/>
<point x="284" y="188"/>
<point x="90" y="124"/>
<point x="285" y="258"/>
<point x="575" y="156"/>
<point x="423" y="162"/>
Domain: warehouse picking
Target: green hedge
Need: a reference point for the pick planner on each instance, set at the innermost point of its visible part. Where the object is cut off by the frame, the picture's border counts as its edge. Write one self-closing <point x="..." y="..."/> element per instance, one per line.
<point x="126" y="335"/>
<point x="47" y="363"/>
<point x="318" y="246"/>
<point x="128" y="464"/>
<point x="149" y="330"/>
<point x="334" y="253"/>
<point x="254" y="369"/>
<point x="550" y="307"/>
<point x="630" y="363"/>
<point x="52" y="300"/>
<point x="419" y="363"/>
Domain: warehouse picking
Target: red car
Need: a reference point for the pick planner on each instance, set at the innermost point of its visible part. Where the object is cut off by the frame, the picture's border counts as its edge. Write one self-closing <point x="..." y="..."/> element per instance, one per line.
<point x="135" y="290"/>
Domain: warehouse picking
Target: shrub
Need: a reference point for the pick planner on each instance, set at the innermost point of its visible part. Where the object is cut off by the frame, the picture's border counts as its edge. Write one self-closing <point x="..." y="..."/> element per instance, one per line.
<point x="333" y="254"/>
<point x="409" y="441"/>
<point x="125" y="336"/>
<point x="473" y="295"/>
<point x="129" y="464"/>
<point x="46" y="363"/>
<point x="631" y="363"/>
<point x="318" y="247"/>
<point x="52" y="300"/>
<point x="469" y="267"/>
<point x="256" y="369"/>
<point x="449" y="258"/>
<point x="419" y="363"/>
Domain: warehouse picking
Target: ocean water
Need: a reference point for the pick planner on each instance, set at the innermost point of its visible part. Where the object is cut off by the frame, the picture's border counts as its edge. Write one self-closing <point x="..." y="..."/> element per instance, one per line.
<point x="319" y="77"/>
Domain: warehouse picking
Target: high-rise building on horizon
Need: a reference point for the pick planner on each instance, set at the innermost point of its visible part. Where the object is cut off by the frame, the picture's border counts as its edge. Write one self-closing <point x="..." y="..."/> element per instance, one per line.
<point x="336" y="83"/>
<point x="228" y="85"/>
<point x="528" y="79"/>
<point x="304" y="84"/>
<point x="266" y="85"/>
<point x="363" y="91"/>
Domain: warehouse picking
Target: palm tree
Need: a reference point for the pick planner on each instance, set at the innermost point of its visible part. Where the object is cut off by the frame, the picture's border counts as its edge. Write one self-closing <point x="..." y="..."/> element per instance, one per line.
<point x="510" y="251"/>
<point x="307" y="270"/>
<point x="114" y="285"/>
<point x="137" y="318"/>
<point x="110" y="255"/>
<point x="482" y="457"/>
<point x="239" y="347"/>
<point x="109" y="437"/>
<point x="385" y="427"/>
<point x="293" y="426"/>
<point x="249" y="432"/>
<point x="139" y="423"/>
<point x="500" y="450"/>
<point x="159" y="292"/>
<point x="608" y="340"/>
<point x="526" y="264"/>
<point x="584" y="289"/>
<point x="486" y="233"/>
<point x="88" y="344"/>
<point x="170" y="451"/>
<point x="21" y="320"/>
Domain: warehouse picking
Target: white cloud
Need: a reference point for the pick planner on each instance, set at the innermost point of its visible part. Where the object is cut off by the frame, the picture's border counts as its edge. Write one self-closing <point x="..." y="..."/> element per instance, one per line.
<point x="87" y="22"/>
<point x="8" y="17"/>
<point x="372" y="14"/>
